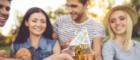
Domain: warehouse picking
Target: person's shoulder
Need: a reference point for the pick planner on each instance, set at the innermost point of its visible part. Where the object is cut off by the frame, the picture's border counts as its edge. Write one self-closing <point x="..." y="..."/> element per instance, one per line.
<point x="95" y="22"/>
<point x="48" y="40"/>
<point x="51" y="40"/>
<point x="17" y="44"/>
<point x="109" y="43"/>
<point x="64" y="17"/>
<point x="136" y="44"/>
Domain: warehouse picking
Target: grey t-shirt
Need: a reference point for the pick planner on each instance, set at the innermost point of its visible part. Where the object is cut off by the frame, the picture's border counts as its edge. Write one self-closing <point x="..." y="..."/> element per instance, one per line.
<point x="112" y="51"/>
<point x="67" y="29"/>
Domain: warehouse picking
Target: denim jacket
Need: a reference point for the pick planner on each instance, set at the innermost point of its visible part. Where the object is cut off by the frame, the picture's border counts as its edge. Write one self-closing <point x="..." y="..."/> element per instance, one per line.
<point x="45" y="48"/>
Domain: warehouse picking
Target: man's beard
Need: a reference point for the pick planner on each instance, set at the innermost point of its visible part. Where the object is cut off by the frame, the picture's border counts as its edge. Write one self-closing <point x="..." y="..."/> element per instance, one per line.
<point x="76" y="16"/>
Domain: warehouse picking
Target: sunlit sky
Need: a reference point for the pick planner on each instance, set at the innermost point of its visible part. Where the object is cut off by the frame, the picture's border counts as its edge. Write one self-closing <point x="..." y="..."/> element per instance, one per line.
<point x="19" y="7"/>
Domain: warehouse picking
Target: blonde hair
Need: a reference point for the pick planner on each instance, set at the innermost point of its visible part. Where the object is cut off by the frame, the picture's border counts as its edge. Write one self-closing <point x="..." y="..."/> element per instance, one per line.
<point x="132" y="20"/>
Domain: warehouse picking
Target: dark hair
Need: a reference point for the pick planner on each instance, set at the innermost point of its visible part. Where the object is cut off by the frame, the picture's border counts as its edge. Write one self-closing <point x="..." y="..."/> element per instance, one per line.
<point x="10" y="1"/>
<point x="23" y="33"/>
<point x="138" y="7"/>
<point x="84" y="1"/>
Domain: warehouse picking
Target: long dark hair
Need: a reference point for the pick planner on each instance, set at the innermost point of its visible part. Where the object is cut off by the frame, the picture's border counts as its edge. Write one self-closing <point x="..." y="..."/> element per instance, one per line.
<point x="84" y="1"/>
<point x="23" y="33"/>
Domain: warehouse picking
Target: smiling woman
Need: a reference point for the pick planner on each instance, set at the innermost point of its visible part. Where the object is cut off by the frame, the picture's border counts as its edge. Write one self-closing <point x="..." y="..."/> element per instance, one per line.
<point x="35" y="34"/>
<point x="120" y="21"/>
<point x="36" y="23"/>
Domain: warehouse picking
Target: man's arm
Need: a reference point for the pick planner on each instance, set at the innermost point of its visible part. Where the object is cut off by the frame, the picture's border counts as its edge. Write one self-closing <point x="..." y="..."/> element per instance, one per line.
<point x="55" y="36"/>
<point x="56" y="49"/>
<point x="97" y="45"/>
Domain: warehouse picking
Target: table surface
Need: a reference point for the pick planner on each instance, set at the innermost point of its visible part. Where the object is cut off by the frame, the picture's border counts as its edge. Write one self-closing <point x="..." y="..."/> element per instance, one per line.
<point x="2" y="58"/>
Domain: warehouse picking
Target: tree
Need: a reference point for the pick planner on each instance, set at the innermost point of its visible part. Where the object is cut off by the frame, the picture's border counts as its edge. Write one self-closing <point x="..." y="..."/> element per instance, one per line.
<point x="136" y="29"/>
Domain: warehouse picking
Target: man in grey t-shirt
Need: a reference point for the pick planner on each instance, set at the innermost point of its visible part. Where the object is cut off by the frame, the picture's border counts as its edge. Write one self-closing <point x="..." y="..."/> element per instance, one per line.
<point x="66" y="27"/>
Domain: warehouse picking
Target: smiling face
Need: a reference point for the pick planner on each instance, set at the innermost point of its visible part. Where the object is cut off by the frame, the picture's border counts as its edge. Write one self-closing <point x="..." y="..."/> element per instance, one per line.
<point x="75" y="8"/>
<point x="36" y="23"/>
<point x="118" y="22"/>
<point x="4" y="11"/>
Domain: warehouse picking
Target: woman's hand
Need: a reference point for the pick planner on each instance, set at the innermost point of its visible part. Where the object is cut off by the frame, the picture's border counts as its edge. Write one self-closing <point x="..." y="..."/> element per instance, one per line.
<point x="90" y="56"/>
<point x="24" y="54"/>
<point x="66" y="44"/>
<point x="62" y="56"/>
<point x="66" y="56"/>
<point x="3" y="53"/>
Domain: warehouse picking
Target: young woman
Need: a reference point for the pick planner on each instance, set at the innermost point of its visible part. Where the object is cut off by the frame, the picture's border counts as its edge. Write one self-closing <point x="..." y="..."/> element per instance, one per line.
<point x="35" y="34"/>
<point x="120" y="21"/>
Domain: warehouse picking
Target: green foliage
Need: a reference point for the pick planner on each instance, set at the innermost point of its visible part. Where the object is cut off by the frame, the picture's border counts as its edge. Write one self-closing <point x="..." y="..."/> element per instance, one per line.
<point x="58" y="12"/>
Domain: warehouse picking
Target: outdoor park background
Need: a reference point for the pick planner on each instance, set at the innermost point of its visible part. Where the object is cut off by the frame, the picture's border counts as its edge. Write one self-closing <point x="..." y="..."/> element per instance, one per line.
<point x="55" y="8"/>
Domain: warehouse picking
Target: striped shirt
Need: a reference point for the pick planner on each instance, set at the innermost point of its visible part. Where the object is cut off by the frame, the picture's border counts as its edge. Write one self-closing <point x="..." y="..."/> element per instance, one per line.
<point x="67" y="29"/>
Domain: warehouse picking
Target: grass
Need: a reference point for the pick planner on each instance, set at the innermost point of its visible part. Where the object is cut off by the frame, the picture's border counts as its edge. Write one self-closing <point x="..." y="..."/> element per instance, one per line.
<point x="7" y="48"/>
